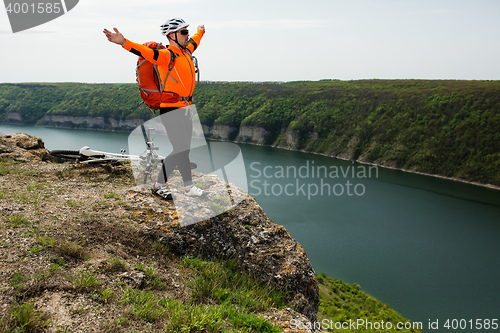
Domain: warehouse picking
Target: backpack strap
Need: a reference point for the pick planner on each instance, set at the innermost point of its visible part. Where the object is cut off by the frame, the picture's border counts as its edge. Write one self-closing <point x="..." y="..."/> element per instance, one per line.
<point x="195" y="61"/>
<point x="139" y="64"/>
<point x="170" y="67"/>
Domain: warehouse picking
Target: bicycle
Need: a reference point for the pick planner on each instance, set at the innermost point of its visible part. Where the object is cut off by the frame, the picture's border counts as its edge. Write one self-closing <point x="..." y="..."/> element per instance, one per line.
<point x="149" y="160"/>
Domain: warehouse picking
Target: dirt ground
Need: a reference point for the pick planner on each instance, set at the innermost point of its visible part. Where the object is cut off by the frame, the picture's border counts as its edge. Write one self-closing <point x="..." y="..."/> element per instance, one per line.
<point x="60" y="221"/>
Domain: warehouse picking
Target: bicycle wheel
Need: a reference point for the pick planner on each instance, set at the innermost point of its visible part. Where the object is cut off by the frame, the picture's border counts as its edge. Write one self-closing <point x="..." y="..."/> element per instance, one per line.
<point x="68" y="154"/>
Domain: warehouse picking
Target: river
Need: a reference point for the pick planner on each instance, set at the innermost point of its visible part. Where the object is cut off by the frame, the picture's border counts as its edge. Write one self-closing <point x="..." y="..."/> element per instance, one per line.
<point x="426" y="246"/>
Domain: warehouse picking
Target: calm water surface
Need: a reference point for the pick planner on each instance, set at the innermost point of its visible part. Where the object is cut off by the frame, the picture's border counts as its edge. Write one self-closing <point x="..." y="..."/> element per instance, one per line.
<point x="426" y="246"/>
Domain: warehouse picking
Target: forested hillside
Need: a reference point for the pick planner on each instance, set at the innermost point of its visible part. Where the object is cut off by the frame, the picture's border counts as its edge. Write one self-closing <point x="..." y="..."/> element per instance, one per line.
<point x="448" y="128"/>
<point x="33" y="101"/>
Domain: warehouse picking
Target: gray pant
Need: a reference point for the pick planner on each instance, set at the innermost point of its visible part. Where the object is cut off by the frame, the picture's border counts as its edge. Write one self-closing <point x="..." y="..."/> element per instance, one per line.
<point x="179" y="127"/>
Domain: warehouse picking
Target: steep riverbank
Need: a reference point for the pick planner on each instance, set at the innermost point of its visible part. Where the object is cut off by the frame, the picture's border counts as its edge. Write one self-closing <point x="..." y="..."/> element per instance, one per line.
<point x="291" y="140"/>
<point x="252" y="136"/>
<point x="434" y="127"/>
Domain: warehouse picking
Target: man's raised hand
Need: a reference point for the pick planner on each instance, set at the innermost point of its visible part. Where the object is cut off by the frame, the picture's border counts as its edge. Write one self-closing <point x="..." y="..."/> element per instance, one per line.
<point x="115" y="37"/>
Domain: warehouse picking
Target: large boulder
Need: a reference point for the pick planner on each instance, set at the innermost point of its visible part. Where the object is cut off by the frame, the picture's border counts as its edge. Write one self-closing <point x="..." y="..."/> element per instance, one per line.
<point x="23" y="147"/>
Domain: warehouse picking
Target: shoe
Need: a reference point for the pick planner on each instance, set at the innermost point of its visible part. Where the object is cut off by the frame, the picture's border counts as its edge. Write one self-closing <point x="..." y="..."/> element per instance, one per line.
<point x="195" y="192"/>
<point x="162" y="191"/>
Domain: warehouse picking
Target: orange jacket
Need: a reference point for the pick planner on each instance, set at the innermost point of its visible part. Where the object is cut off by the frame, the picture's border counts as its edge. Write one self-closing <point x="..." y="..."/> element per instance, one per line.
<point x="182" y="78"/>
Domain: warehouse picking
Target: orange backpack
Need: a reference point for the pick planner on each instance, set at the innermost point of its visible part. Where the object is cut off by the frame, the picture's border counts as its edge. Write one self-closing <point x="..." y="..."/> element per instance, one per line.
<point x="149" y="81"/>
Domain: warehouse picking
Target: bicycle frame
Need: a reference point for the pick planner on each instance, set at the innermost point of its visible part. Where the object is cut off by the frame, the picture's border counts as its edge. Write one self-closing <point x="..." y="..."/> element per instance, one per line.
<point x="96" y="156"/>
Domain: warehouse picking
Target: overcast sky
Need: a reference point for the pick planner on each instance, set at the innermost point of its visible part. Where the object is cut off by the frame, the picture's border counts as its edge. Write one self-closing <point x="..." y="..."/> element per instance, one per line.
<point x="267" y="40"/>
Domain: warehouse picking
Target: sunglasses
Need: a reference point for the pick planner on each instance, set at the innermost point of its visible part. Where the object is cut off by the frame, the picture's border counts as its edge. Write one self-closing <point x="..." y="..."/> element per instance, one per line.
<point x="184" y="32"/>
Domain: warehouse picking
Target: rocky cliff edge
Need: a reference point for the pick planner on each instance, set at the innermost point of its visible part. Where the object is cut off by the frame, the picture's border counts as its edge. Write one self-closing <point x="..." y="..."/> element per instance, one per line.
<point x="87" y="218"/>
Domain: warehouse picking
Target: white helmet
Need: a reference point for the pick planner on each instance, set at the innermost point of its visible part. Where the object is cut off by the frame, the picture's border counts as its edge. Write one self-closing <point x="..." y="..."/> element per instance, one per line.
<point x="172" y="25"/>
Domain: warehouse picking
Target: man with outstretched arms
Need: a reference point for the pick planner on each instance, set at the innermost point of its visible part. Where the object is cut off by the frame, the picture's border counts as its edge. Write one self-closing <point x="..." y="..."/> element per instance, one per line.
<point x="181" y="81"/>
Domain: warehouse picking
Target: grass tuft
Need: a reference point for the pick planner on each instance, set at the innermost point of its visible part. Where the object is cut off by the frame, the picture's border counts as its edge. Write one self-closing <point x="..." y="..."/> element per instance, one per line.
<point x="115" y="265"/>
<point x="24" y="318"/>
<point x="85" y="281"/>
<point x="17" y="220"/>
<point x="73" y="250"/>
